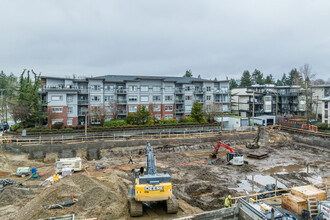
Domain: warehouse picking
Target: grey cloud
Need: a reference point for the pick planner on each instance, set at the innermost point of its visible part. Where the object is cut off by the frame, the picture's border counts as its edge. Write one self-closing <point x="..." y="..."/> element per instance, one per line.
<point x="212" y="38"/>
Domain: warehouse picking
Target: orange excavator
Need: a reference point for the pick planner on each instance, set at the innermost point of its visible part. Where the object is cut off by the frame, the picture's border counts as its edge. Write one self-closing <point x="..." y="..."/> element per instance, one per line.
<point x="233" y="157"/>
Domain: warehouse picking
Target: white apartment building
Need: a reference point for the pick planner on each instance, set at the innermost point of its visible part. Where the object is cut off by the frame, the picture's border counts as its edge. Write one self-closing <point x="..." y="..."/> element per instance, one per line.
<point x="68" y="99"/>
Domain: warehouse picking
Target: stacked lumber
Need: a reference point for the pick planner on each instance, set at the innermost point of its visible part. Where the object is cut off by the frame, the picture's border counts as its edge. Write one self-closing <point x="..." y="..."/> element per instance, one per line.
<point x="296" y="201"/>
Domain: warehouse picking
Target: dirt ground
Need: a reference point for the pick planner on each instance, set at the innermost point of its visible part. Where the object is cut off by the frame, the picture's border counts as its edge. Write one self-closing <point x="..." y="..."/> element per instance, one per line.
<point x="197" y="185"/>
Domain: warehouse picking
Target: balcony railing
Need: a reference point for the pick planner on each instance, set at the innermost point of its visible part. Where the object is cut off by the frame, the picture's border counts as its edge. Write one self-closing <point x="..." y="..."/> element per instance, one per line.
<point x="221" y="91"/>
<point x="122" y="112"/>
<point x="54" y="87"/>
<point x="84" y="91"/>
<point x="122" y="102"/>
<point x="121" y="91"/>
<point x="179" y="110"/>
<point x="179" y="100"/>
<point x="199" y="91"/>
<point x="179" y="91"/>
<point x="82" y="102"/>
<point x="81" y="113"/>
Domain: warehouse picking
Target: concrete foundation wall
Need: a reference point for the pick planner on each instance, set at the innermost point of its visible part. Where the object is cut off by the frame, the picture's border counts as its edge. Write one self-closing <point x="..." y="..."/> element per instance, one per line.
<point x="312" y="140"/>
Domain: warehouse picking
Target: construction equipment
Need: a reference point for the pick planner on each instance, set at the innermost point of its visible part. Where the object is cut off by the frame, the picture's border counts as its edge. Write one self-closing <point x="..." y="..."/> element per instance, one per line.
<point x="255" y="143"/>
<point x="150" y="186"/>
<point x="233" y="157"/>
<point x="73" y="163"/>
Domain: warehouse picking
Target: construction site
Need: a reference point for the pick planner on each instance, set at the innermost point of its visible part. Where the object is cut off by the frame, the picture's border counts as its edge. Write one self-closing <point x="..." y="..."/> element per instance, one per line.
<point x="200" y="169"/>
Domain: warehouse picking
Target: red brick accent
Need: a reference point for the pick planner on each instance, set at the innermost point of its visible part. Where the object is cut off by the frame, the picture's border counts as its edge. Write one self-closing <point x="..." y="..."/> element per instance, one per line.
<point x="53" y="115"/>
<point x="162" y="111"/>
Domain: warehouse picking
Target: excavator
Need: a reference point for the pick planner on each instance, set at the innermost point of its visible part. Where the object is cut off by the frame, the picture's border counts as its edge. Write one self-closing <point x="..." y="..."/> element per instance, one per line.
<point x="150" y="186"/>
<point x="233" y="157"/>
<point x="255" y="143"/>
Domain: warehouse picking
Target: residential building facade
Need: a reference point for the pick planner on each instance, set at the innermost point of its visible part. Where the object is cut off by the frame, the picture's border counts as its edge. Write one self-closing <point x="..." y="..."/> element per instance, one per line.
<point x="263" y="99"/>
<point x="325" y="110"/>
<point x="68" y="99"/>
<point x="319" y="92"/>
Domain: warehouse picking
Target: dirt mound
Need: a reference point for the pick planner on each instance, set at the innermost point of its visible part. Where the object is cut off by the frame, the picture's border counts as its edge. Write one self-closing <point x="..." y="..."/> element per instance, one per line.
<point x="96" y="199"/>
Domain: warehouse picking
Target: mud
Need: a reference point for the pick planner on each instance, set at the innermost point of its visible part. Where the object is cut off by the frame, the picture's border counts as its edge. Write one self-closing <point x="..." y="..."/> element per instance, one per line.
<point x="197" y="185"/>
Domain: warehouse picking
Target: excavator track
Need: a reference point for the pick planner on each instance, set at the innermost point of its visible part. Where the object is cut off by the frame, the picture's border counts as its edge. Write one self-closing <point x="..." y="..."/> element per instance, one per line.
<point x="172" y="205"/>
<point x="135" y="208"/>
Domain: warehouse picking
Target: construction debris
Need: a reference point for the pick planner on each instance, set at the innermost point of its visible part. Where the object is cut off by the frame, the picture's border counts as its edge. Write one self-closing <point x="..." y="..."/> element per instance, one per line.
<point x="61" y="205"/>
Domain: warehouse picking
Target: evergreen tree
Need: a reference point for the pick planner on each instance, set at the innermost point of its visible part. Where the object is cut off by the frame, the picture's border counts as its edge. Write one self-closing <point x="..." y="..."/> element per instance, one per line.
<point x="294" y="77"/>
<point x="284" y="80"/>
<point x="257" y="77"/>
<point x="279" y="83"/>
<point x="188" y="73"/>
<point x="232" y="84"/>
<point x="246" y="79"/>
<point x="269" y="79"/>
<point x="197" y="112"/>
<point x="143" y="115"/>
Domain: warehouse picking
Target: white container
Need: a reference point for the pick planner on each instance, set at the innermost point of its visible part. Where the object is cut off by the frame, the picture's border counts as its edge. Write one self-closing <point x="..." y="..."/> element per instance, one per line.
<point x="72" y="163"/>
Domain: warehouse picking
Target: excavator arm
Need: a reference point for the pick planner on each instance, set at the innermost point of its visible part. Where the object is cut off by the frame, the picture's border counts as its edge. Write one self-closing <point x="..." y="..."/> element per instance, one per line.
<point x="216" y="149"/>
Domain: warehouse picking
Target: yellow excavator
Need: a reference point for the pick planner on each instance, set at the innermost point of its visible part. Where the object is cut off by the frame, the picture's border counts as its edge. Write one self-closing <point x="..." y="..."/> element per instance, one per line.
<point x="150" y="186"/>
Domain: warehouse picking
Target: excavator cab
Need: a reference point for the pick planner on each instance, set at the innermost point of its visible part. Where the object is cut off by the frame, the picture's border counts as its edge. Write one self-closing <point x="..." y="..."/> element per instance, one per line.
<point x="150" y="186"/>
<point x="233" y="157"/>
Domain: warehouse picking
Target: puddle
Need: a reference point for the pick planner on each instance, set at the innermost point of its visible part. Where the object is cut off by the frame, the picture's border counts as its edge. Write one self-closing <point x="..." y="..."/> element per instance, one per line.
<point x="264" y="180"/>
<point x="245" y="185"/>
<point x="291" y="168"/>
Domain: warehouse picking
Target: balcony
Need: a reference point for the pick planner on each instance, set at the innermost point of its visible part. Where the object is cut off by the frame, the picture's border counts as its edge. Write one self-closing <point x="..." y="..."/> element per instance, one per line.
<point x="199" y="92"/>
<point x="179" y="101"/>
<point x="82" y="102"/>
<point x="181" y="110"/>
<point x="81" y="113"/>
<point x="121" y="91"/>
<point x="221" y="91"/>
<point x="200" y="101"/>
<point x="83" y="91"/>
<point x="122" y="102"/>
<point x="179" y="91"/>
<point x="60" y="87"/>
<point x="122" y="112"/>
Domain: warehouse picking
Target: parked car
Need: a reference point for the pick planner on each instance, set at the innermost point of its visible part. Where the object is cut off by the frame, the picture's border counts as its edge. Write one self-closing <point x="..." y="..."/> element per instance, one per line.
<point x="4" y="126"/>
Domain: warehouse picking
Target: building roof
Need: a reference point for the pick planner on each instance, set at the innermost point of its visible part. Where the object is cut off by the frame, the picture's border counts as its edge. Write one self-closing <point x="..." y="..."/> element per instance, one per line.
<point x="321" y="86"/>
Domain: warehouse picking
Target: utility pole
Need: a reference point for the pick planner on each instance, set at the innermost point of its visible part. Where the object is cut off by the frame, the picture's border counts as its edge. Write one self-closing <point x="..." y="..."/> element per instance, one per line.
<point x="317" y="103"/>
<point x="86" y="123"/>
<point x="276" y="107"/>
<point x="253" y="112"/>
<point x="221" y="116"/>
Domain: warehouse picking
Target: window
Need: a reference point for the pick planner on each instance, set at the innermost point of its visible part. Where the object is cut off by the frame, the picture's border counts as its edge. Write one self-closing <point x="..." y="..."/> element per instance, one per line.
<point x="326" y="105"/>
<point x="156" y="98"/>
<point x="168" y="117"/>
<point x="108" y="87"/>
<point x="156" y="108"/>
<point x="132" y="98"/>
<point x="69" y="121"/>
<point x="156" y="88"/>
<point x="208" y="88"/>
<point x="268" y="107"/>
<point x="326" y="114"/>
<point x="188" y="88"/>
<point x="69" y="98"/>
<point x="144" y="88"/>
<point x="107" y="98"/>
<point x="147" y="107"/>
<point x="70" y="110"/>
<point x="168" y="107"/>
<point x="96" y="121"/>
<point x="57" y="98"/>
<point x="168" y="88"/>
<point x="157" y="116"/>
<point x="132" y="88"/>
<point x="225" y="108"/>
<point x="132" y="108"/>
<point x="168" y="98"/>
<point x="96" y="98"/>
<point x="96" y="87"/>
<point x="56" y="120"/>
<point x="144" y="98"/>
<point x="57" y="110"/>
<point x="188" y="108"/>
<point x="188" y="97"/>
<point x="208" y="97"/>
<point x="268" y="98"/>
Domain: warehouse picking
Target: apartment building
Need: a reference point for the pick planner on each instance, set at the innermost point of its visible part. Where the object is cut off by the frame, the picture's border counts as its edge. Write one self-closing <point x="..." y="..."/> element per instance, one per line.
<point x="319" y="92"/>
<point x="68" y="99"/>
<point x="325" y="110"/>
<point x="290" y="99"/>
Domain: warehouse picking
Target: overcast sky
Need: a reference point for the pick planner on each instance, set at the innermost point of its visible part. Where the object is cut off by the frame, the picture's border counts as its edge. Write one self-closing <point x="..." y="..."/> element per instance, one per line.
<point x="212" y="38"/>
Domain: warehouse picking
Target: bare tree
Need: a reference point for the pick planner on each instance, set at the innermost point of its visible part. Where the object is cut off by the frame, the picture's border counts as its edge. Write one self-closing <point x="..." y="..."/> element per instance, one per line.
<point x="211" y="110"/>
<point x="50" y="117"/>
<point x="19" y="111"/>
<point x="99" y="112"/>
<point x="307" y="76"/>
<point x="113" y="108"/>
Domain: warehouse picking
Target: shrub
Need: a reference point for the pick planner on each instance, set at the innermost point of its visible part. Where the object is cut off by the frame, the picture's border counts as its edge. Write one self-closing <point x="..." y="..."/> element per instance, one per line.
<point x="131" y="119"/>
<point x="167" y="122"/>
<point x="189" y="119"/>
<point x="58" y="125"/>
<point x="115" y="123"/>
<point x="15" y="127"/>
<point x="322" y="126"/>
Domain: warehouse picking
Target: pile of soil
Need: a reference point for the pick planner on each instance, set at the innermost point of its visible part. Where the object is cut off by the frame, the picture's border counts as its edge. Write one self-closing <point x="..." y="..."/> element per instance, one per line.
<point x="96" y="199"/>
